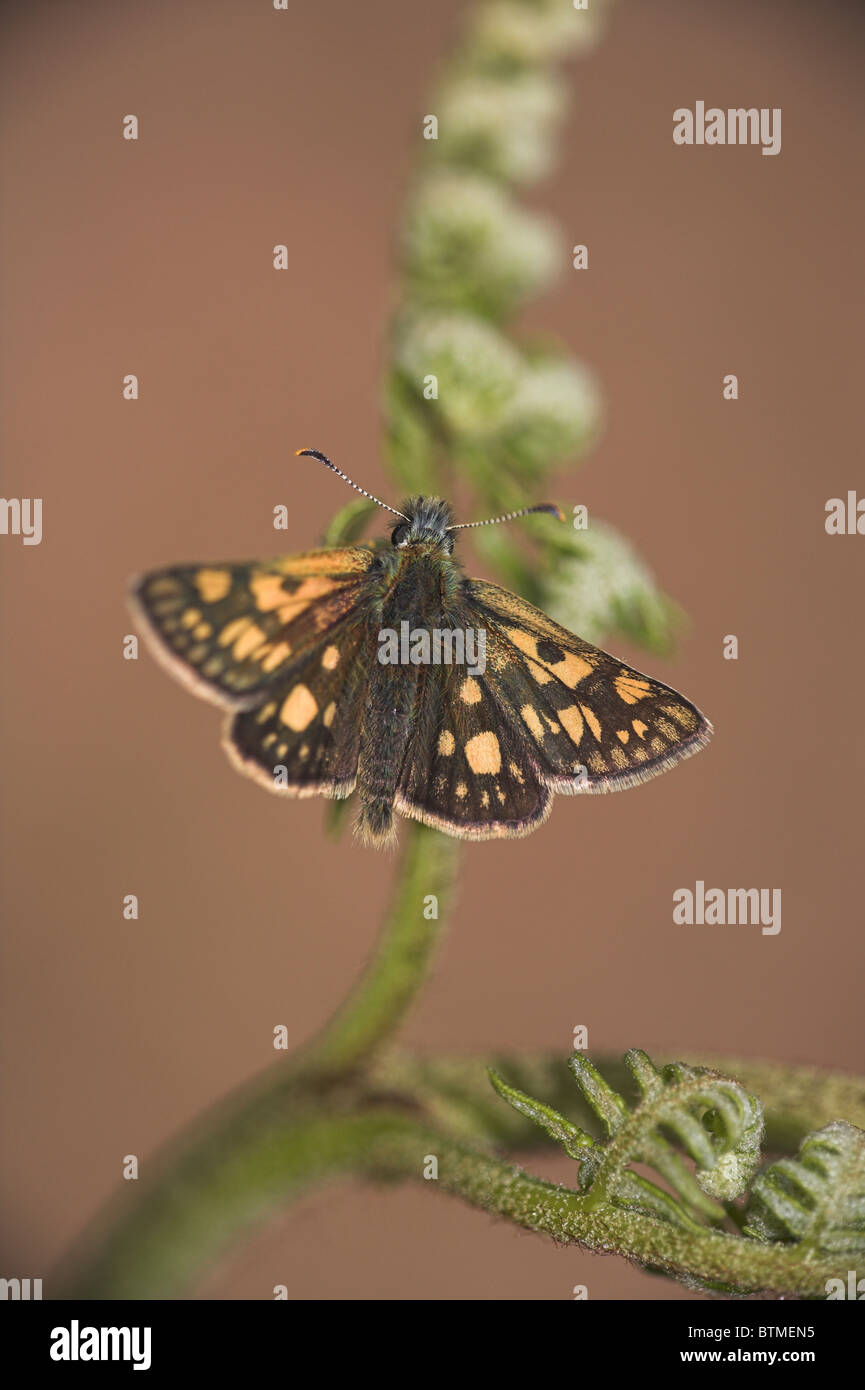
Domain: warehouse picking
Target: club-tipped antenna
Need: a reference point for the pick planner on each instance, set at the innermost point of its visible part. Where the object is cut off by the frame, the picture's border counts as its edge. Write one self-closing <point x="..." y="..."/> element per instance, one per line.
<point x="322" y="458"/>
<point x="548" y="507"/>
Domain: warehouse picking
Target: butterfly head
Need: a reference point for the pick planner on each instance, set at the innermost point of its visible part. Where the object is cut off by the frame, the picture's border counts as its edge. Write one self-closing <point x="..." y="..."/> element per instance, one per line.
<point x="428" y="522"/>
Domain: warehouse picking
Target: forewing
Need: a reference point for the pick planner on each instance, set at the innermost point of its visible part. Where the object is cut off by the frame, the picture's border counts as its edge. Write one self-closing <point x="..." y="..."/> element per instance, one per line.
<point x="303" y="740"/>
<point x="231" y="631"/>
<point x="589" y="722"/>
<point x="465" y="770"/>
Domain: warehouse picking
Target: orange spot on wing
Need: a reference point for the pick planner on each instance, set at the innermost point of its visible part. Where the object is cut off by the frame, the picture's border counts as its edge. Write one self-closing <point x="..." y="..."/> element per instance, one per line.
<point x="212" y="584"/>
<point x="592" y="720"/>
<point x="483" y="753"/>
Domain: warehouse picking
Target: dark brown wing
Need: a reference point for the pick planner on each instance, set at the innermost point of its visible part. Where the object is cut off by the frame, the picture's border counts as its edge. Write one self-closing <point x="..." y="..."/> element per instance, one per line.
<point x="303" y="740"/>
<point x="589" y="721"/>
<point x="230" y="632"/>
<point x="466" y="770"/>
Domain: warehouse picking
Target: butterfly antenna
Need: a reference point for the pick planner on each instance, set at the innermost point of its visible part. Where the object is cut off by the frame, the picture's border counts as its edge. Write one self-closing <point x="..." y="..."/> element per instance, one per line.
<point x="548" y="507"/>
<point x="322" y="458"/>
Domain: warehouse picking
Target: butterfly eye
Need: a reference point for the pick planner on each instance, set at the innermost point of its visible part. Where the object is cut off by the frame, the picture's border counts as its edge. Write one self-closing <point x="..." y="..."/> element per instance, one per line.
<point x="399" y="536"/>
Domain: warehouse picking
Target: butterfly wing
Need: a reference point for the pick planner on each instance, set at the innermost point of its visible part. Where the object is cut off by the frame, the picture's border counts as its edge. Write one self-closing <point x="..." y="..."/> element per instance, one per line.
<point x="279" y="643"/>
<point x="304" y="739"/>
<point x="230" y="632"/>
<point x="590" y="722"/>
<point x="287" y="645"/>
<point x="550" y="713"/>
<point x="465" y="770"/>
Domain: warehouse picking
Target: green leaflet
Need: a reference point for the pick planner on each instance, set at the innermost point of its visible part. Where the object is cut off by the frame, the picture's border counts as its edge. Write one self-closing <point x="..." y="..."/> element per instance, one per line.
<point x="816" y="1199"/>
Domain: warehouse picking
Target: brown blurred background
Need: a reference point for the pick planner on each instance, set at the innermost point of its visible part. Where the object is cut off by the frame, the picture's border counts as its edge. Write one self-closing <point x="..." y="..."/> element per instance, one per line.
<point x="155" y="258"/>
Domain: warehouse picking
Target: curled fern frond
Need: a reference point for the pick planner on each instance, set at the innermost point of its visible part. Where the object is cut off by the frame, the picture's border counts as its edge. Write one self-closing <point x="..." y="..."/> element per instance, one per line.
<point x="468" y="246"/>
<point x="715" y="1120"/>
<point x="470" y="404"/>
<point x="682" y="1113"/>
<point x="597" y="584"/>
<point x="816" y="1199"/>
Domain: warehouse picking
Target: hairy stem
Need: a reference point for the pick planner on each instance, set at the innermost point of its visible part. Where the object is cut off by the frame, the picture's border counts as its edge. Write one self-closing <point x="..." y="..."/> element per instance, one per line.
<point x="241" y="1175"/>
<point x="379" y="1001"/>
<point x="254" y="1155"/>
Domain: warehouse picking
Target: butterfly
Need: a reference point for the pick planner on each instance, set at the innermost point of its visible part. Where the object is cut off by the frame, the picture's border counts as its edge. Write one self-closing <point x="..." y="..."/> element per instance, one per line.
<point x="383" y="668"/>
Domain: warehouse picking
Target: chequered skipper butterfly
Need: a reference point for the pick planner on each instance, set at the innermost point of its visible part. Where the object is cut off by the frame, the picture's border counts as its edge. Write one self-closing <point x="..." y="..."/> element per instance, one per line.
<point x="290" y="647"/>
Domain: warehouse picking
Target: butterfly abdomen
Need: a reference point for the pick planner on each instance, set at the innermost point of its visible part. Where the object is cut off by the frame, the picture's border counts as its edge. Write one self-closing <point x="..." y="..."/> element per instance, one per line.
<point x="385" y="735"/>
<point x="375" y="824"/>
<point x="413" y="603"/>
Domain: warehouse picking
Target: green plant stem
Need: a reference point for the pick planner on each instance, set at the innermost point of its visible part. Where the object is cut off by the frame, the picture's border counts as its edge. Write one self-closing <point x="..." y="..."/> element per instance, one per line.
<point x="239" y="1177"/>
<point x="251" y="1156"/>
<point x="218" y="1190"/>
<point x="379" y="1001"/>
